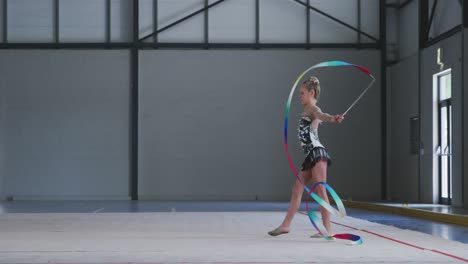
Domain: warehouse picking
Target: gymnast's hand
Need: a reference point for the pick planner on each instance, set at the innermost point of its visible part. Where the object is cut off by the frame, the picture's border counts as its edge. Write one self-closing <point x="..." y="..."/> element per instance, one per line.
<point x="338" y="118"/>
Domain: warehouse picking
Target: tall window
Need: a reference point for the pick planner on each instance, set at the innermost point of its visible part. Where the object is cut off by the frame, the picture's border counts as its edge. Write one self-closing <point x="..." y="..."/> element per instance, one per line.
<point x="444" y="148"/>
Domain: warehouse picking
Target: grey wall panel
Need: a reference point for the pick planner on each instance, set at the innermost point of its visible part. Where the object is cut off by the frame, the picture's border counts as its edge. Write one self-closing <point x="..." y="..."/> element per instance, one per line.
<point x="121" y="13"/>
<point x="188" y="31"/>
<point x="2" y="136"/>
<point x="452" y="59"/>
<point x="226" y="25"/>
<point x="323" y="29"/>
<point x="231" y="21"/>
<point x="1" y="21"/>
<point x="392" y="28"/>
<point x="211" y="123"/>
<point x="465" y="116"/>
<point x="67" y="124"/>
<point x="447" y="16"/>
<point x="426" y="111"/>
<point x="30" y="20"/>
<point x="370" y="19"/>
<point x="82" y="21"/>
<point x="457" y="167"/>
<point x="408" y="36"/>
<point x="145" y="16"/>
<point x="283" y="22"/>
<point x="403" y="167"/>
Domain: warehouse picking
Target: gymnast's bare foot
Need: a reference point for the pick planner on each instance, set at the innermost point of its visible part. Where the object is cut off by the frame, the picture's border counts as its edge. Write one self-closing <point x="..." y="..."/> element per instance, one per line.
<point x="279" y="231"/>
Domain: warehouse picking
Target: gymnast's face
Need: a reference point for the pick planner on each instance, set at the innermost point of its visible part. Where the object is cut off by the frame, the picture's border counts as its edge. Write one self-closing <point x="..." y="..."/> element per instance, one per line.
<point x="306" y="96"/>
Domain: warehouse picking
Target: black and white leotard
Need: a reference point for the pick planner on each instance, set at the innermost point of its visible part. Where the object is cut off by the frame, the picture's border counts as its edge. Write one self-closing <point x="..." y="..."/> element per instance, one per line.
<point x="310" y="143"/>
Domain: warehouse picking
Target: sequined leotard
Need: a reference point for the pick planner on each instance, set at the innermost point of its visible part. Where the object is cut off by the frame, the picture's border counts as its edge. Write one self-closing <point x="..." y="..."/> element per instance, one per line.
<point x="310" y="142"/>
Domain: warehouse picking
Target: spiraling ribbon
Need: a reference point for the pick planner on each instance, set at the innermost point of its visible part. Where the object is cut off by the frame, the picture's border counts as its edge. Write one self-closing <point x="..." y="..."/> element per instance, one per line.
<point x="341" y="212"/>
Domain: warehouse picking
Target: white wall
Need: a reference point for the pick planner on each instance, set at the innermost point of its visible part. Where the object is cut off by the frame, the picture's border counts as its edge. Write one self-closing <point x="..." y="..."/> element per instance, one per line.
<point x="211" y="123"/>
<point x="66" y="121"/>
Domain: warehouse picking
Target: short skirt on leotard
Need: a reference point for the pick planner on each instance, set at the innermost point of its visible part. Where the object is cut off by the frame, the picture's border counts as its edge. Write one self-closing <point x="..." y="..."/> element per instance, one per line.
<point x="315" y="155"/>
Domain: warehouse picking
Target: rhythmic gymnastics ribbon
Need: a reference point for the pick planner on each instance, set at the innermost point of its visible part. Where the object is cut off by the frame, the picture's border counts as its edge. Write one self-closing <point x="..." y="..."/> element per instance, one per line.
<point x="341" y="212"/>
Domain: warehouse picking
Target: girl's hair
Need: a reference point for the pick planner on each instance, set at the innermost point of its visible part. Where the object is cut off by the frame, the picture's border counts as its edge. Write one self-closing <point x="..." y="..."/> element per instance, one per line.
<point x="313" y="83"/>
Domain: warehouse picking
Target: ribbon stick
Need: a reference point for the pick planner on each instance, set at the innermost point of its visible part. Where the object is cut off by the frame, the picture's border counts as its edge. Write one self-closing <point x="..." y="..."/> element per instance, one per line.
<point x="341" y="212"/>
<point x="360" y="96"/>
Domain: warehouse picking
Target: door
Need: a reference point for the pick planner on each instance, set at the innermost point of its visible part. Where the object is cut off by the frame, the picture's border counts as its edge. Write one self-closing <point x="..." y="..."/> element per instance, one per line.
<point x="444" y="149"/>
